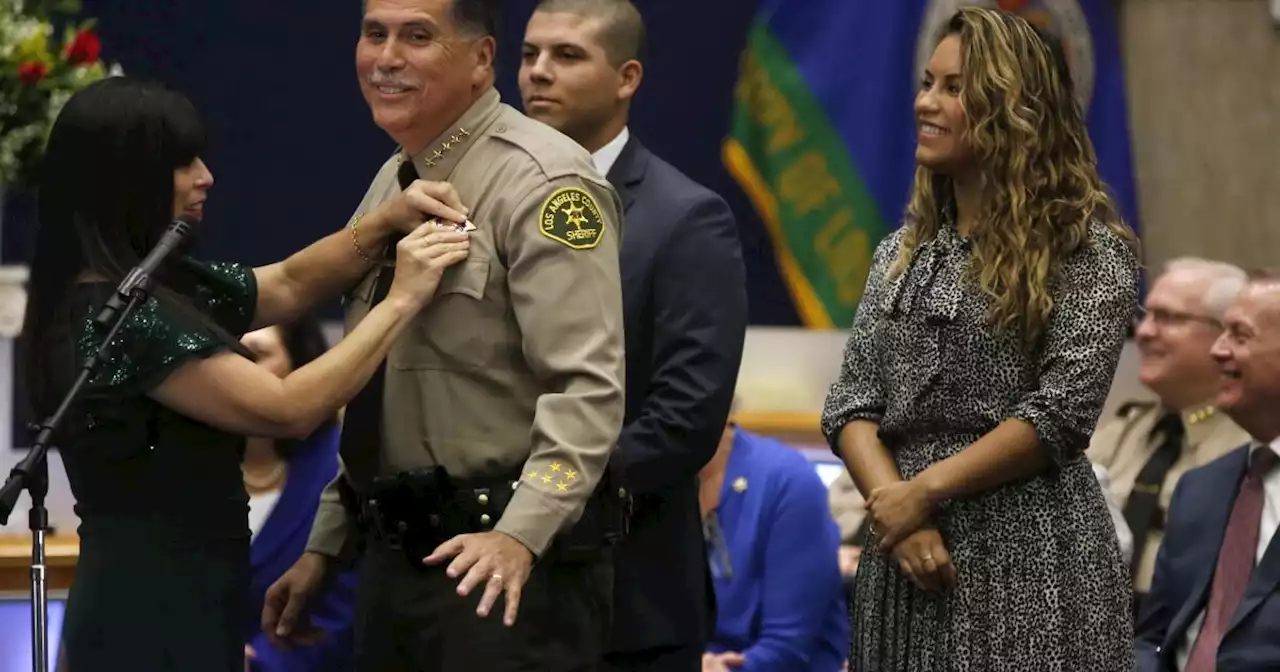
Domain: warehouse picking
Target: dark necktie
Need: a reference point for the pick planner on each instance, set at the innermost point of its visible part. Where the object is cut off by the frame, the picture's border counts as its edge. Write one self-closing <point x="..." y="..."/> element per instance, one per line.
<point x="1142" y="508"/>
<point x="1235" y="561"/>
<point x="361" y="442"/>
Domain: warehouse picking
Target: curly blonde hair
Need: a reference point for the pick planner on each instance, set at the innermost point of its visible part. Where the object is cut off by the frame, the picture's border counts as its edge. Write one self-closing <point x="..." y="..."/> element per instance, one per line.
<point x="1029" y="142"/>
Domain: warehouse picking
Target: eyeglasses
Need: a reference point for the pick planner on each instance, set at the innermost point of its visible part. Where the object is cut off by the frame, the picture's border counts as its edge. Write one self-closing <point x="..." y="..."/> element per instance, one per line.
<point x="1171" y="318"/>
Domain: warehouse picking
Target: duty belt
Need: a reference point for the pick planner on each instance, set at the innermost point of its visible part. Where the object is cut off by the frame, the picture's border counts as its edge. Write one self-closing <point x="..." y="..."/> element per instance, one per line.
<point x="416" y="511"/>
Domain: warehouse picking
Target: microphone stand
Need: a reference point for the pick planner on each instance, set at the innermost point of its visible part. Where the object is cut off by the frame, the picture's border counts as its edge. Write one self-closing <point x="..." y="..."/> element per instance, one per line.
<point x="32" y="474"/>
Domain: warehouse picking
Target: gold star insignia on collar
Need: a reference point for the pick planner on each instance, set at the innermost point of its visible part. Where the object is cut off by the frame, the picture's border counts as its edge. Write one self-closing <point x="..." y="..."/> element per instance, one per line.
<point x="454" y="140"/>
<point x="1200" y="415"/>
<point x="740" y="484"/>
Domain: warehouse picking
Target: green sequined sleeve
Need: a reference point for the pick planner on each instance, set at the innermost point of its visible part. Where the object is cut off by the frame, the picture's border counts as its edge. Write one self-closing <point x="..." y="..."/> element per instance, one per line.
<point x="229" y="292"/>
<point x="154" y="342"/>
<point x="159" y="338"/>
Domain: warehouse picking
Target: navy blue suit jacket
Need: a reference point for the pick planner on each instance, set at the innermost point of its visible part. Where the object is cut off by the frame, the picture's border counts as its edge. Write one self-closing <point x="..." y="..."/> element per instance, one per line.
<point x="1180" y="588"/>
<point x="685" y="302"/>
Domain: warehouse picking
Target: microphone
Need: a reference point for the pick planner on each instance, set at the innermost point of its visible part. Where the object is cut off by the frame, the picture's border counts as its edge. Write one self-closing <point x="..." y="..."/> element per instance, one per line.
<point x="138" y="281"/>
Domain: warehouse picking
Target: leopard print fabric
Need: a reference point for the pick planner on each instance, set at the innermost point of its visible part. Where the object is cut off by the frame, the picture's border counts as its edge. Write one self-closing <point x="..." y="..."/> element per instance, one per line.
<point x="1042" y="585"/>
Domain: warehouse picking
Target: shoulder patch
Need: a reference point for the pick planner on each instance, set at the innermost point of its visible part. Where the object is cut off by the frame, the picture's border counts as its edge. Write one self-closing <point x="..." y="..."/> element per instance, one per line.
<point x="571" y="217"/>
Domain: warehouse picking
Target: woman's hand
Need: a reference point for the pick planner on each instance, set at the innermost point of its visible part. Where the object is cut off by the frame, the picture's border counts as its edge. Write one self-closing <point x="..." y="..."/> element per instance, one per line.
<point x="897" y="510"/>
<point x="420" y="202"/>
<point x="421" y="259"/>
<point x="924" y="559"/>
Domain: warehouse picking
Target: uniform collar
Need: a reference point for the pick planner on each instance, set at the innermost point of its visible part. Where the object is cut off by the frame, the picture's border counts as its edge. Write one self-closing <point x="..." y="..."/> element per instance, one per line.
<point x="1200" y="421"/>
<point x="442" y="154"/>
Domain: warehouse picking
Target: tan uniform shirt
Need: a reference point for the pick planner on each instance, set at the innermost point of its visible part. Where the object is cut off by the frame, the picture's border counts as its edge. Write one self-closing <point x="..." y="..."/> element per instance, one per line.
<point x="847" y="506"/>
<point x="1123" y="446"/>
<point x="518" y="362"/>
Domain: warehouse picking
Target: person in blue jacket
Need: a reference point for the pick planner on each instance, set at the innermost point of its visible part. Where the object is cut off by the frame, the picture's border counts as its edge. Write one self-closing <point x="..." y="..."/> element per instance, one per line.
<point x="772" y="548"/>
<point x="284" y="480"/>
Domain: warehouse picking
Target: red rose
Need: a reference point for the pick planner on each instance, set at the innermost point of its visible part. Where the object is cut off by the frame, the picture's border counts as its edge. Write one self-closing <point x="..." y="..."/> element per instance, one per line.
<point x="32" y="72"/>
<point x="85" y="48"/>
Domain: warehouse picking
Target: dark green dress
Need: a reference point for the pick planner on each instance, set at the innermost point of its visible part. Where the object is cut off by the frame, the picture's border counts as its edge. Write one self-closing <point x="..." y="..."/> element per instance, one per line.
<point x="163" y="576"/>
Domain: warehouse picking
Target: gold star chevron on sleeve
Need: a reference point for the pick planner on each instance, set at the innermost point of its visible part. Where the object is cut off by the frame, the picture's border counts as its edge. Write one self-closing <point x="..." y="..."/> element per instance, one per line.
<point x="571" y="217"/>
<point x="554" y="471"/>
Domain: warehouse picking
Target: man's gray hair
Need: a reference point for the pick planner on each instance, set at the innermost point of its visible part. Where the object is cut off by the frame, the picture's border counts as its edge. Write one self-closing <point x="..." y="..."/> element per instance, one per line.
<point x="1225" y="281"/>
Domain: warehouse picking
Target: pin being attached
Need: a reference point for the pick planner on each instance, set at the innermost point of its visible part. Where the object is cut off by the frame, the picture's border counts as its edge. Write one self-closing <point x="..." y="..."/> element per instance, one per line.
<point x="463" y="227"/>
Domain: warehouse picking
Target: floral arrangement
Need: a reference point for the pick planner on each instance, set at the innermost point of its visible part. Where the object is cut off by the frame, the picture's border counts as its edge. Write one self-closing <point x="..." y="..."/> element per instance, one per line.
<point x="38" y="74"/>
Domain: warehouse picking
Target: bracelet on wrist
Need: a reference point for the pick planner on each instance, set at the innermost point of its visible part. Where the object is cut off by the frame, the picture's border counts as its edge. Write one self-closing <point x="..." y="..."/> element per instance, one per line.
<point x="355" y="242"/>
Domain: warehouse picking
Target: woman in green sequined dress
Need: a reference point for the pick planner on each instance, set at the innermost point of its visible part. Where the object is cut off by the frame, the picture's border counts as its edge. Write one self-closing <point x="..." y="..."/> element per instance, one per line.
<point x="153" y="450"/>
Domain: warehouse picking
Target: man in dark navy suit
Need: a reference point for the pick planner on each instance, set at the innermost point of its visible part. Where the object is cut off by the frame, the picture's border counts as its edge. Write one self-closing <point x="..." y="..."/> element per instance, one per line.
<point x="685" y="304"/>
<point x="1215" y="597"/>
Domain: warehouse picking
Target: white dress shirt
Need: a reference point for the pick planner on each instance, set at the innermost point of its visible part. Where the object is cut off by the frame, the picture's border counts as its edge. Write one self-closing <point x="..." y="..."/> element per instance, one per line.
<point x="605" y="157"/>
<point x="1123" y="534"/>
<point x="260" y="507"/>
<point x="1266" y="530"/>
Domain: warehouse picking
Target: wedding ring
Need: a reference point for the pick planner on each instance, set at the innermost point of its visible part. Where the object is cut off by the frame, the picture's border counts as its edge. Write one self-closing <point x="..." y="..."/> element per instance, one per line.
<point x="497" y="577"/>
<point x="927" y="558"/>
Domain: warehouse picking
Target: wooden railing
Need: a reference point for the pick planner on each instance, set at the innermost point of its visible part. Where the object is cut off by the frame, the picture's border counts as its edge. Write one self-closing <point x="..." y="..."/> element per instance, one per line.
<point x="61" y="552"/>
<point x="796" y="427"/>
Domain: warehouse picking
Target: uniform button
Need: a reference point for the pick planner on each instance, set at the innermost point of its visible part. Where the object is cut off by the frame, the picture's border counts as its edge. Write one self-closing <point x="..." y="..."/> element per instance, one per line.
<point x="515" y="484"/>
<point x="483" y="499"/>
<point x="484" y="519"/>
<point x="622" y="492"/>
<point x="502" y="128"/>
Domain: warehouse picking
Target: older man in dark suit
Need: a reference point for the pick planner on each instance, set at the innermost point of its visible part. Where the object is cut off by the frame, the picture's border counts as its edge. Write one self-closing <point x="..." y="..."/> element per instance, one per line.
<point x="685" y="318"/>
<point x="1215" y="598"/>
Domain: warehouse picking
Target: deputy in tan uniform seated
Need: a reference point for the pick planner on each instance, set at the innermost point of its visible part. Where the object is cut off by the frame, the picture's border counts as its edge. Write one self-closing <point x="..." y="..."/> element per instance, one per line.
<point x="479" y="448"/>
<point x="849" y="509"/>
<point x="1147" y="447"/>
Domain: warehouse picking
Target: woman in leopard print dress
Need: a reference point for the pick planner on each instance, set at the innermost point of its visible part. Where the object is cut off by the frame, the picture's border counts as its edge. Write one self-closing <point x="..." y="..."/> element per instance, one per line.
<point x="979" y="360"/>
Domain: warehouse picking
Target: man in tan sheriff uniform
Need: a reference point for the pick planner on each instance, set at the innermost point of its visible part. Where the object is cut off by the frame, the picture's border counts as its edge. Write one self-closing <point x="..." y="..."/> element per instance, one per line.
<point x="1146" y="449"/>
<point x="472" y="462"/>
